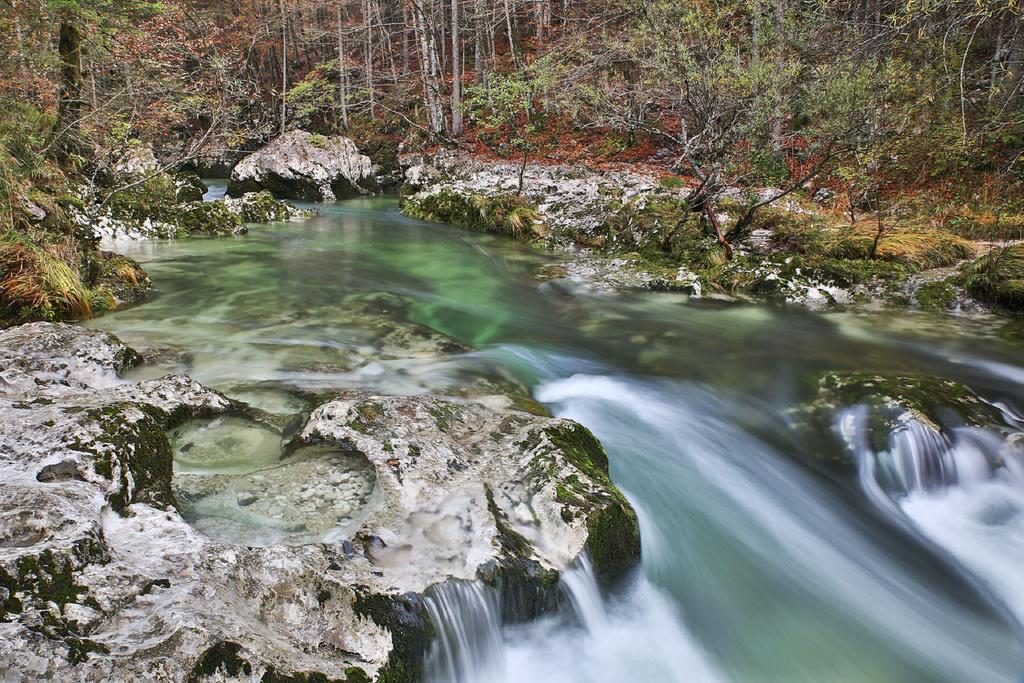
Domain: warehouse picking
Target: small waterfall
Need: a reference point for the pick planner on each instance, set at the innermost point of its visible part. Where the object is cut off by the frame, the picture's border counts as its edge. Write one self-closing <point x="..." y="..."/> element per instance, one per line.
<point x="579" y="585"/>
<point x="637" y="636"/>
<point x="961" y="489"/>
<point x="921" y="457"/>
<point x="467" y="617"/>
<point x="468" y="620"/>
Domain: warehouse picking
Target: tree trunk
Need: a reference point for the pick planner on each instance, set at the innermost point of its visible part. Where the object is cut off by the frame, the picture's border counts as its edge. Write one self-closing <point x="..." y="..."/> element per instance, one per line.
<point x="478" y="42"/>
<point x="19" y="43"/>
<point x="878" y="238"/>
<point x="284" y="67"/>
<point x="511" y="34"/>
<point x="456" y="72"/>
<point x="368" y="20"/>
<point x="429" y="70"/>
<point x="709" y="211"/>
<point x="69" y="107"/>
<point x="342" y="72"/>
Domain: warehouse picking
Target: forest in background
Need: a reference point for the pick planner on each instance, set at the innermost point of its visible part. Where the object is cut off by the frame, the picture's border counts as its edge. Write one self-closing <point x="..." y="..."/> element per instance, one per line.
<point x="897" y="108"/>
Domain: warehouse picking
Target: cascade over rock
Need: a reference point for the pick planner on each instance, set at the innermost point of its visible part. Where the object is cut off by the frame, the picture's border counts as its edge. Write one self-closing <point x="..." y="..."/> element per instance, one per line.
<point x="303" y="165"/>
<point x="101" y="577"/>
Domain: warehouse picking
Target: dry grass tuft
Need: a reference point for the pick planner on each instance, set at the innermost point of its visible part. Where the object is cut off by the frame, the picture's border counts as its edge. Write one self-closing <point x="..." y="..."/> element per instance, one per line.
<point x="40" y="282"/>
<point x="919" y="248"/>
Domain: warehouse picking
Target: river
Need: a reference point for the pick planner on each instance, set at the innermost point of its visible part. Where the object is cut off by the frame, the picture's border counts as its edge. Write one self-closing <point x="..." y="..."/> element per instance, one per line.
<point x="760" y="562"/>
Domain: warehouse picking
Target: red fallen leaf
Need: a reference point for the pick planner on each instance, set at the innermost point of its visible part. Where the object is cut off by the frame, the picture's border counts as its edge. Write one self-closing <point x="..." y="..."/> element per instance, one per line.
<point x="392" y="461"/>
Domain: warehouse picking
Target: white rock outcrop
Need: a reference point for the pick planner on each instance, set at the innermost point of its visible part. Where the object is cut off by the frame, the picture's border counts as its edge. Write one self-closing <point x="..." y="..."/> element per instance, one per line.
<point x="102" y="578"/>
<point x="306" y="166"/>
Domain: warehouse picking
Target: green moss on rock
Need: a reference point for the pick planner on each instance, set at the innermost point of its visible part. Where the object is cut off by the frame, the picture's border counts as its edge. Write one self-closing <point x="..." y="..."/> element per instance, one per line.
<point x="207" y="218"/>
<point x="133" y="453"/>
<point x="511" y="215"/>
<point x="222" y="658"/>
<point x="121" y="276"/>
<point x="941" y="403"/>
<point x="157" y="199"/>
<point x="613" y="541"/>
<point x="940" y="295"/>
<point x="405" y="616"/>
<point x="190" y="187"/>
<point x="261" y="207"/>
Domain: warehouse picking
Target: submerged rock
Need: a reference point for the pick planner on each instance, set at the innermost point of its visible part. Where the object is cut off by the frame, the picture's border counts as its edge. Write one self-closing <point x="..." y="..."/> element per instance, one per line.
<point x="303" y="165"/>
<point x="101" y="577"/>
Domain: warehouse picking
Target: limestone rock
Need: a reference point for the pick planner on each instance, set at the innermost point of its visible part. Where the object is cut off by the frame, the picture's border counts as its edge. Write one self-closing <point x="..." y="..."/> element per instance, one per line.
<point x="137" y="162"/>
<point x="302" y="165"/>
<point x="101" y="578"/>
<point x="189" y="187"/>
<point x="35" y="213"/>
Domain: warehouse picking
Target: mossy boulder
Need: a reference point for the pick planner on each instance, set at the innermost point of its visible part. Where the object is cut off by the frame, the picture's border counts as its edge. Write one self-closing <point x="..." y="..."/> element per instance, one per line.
<point x="889" y="403"/>
<point x="190" y="188"/>
<point x="533" y="491"/>
<point x="153" y="209"/>
<point x="997" y="277"/>
<point x="938" y="295"/>
<point x="207" y="218"/>
<point x="260" y="207"/>
<point x="511" y="215"/>
<point x="120" y="275"/>
<point x="306" y="166"/>
<point x="613" y="539"/>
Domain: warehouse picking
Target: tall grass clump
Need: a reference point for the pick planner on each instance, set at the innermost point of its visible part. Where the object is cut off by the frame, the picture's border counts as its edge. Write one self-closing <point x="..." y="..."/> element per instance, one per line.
<point x="41" y="282"/>
<point x="920" y="249"/>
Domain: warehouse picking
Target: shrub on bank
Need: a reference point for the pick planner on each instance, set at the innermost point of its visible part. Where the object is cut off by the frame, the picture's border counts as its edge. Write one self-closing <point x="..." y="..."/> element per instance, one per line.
<point x="998" y="277"/>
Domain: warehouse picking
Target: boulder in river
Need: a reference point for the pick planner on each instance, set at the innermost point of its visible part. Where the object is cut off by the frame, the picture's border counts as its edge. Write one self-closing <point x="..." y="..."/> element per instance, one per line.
<point x="868" y="412"/>
<point x="306" y="166"/>
<point x="102" y="578"/>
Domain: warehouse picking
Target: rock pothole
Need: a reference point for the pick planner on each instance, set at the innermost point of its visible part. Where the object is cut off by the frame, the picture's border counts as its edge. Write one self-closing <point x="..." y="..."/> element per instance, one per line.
<point x="224" y="445"/>
<point x="235" y="484"/>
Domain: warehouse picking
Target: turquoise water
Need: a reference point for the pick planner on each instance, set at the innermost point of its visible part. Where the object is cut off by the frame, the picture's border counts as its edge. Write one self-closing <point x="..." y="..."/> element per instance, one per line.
<point x="761" y="563"/>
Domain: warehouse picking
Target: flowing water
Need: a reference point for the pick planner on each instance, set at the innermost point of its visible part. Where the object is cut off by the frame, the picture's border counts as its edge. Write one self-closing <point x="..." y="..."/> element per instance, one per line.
<point x="762" y="561"/>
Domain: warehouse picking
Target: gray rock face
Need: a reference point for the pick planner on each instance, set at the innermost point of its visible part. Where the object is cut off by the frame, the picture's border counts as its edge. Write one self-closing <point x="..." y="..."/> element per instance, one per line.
<point x="572" y="201"/>
<point x="101" y="577"/>
<point x="301" y="165"/>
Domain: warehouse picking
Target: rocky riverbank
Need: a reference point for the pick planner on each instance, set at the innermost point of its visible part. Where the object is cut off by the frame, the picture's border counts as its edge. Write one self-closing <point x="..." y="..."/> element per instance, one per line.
<point x="630" y="228"/>
<point x="61" y="261"/>
<point x="103" y="577"/>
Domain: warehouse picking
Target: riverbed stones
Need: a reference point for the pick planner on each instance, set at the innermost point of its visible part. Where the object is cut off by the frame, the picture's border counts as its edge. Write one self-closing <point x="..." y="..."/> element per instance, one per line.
<point x="307" y="166"/>
<point x="101" y="578"/>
